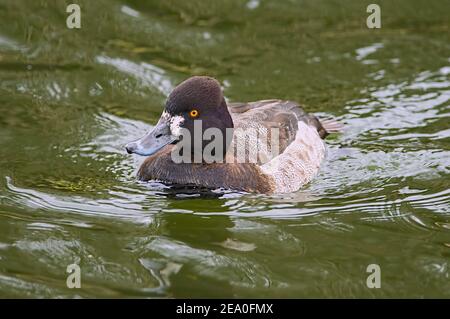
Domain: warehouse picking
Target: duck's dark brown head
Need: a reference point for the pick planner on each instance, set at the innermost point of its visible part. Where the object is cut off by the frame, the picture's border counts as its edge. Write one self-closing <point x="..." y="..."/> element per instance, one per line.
<point x="195" y="105"/>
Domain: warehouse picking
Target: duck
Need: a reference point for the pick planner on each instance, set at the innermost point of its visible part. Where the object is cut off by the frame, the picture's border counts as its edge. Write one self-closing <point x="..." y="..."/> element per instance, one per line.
<point x="284" y="157"/>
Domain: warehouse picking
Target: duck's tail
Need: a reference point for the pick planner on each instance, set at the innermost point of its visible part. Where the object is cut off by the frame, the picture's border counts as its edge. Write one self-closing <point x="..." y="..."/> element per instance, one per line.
<point x="324" y="127"/>
<point x="332" y="126"/>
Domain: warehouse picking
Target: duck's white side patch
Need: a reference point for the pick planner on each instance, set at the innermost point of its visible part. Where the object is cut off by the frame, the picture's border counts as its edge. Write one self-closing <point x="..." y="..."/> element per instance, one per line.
<point x="299" y="162"/>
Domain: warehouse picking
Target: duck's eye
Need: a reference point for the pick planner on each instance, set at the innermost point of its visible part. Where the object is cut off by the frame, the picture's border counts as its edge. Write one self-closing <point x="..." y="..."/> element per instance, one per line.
<point x="193" y="113"/>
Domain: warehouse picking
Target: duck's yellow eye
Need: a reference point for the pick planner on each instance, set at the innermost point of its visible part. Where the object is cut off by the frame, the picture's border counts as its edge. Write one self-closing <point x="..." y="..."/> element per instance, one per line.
<point x="193" y="113"/>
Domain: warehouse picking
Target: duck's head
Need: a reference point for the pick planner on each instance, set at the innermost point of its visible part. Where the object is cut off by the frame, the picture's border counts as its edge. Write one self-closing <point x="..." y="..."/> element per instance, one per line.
<point x="198" y="98"/>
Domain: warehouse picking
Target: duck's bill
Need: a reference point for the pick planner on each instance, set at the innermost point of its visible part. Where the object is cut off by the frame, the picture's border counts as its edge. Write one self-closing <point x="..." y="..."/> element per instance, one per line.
<point x="153" y="141"/>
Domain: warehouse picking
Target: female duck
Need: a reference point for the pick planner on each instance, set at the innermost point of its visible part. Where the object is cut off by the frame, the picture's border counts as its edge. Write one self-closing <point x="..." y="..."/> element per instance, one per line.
<point x="197" y="106"/>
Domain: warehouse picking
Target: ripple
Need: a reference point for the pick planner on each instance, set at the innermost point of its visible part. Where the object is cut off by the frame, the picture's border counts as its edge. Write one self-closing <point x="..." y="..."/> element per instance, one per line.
<point x="34" y="199"/>
<point x="363" y="52"/>
<point x="147" y="73"/>
<point x="130" y="11"/>
<point x="240" y="271"/>
<point x="8" y="44"/>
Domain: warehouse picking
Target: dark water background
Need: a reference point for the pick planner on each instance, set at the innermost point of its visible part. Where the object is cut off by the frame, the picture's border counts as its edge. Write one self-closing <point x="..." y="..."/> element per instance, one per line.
<point x="70" y="100"/>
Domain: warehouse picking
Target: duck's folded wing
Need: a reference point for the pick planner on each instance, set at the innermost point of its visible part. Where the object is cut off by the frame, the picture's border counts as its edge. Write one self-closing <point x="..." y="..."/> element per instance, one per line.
<point x="299" y="162"/>
<point x="300" y="140"/>
<point x="261" y="126"/>
<point x="274" y="121"/>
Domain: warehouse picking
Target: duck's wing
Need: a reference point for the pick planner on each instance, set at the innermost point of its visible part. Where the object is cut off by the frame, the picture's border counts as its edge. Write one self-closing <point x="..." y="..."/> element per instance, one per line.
<point x="255" y="122"/>
<point x="267" y="115"/>
<point x="301" y="145"/>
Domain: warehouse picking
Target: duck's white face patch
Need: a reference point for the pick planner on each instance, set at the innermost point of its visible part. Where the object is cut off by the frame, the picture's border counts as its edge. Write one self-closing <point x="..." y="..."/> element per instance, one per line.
<point x="175" y="122"/>
<point x="175" y="125"/>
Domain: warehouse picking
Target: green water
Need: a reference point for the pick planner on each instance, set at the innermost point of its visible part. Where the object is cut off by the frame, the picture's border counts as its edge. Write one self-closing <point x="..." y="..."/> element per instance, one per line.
<point x="71" y="99"/>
